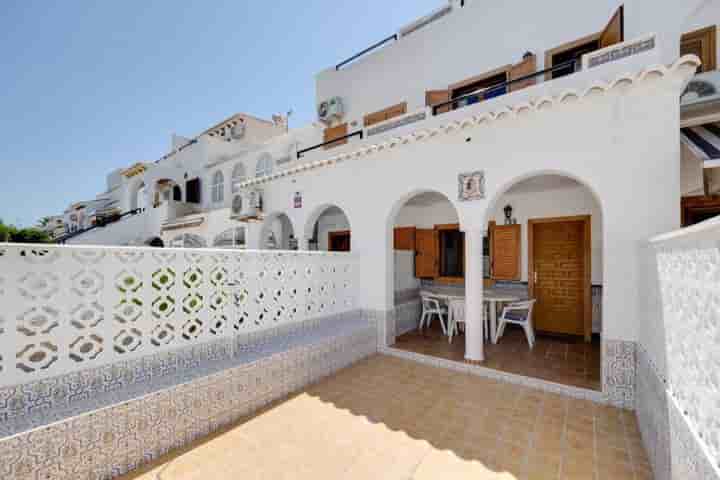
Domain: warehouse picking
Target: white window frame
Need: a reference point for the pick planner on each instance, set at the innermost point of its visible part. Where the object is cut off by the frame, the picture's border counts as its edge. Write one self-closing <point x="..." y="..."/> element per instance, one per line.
<point x="239" y="175"/>
<point x="264" y="165"/>
<point x="218" y="187"/>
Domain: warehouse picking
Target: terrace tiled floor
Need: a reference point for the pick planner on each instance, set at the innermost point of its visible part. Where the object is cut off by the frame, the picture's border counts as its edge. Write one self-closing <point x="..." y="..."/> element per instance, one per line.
<point x="388" y="418"/>
<point x="565" y="360"/>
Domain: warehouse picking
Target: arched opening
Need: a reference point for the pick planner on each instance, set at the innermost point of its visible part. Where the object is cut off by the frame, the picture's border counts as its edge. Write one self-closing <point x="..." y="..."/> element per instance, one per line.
<point x="328" y="230"/>
<point x="545" y="243"/>
<point x="155" y="242"/>
<point x="427" y="252"/>
<point x="542" y="253"/>
<point x="177" y="193"/>
<point x="277" y="233"/>
<point x="164" y="191"/>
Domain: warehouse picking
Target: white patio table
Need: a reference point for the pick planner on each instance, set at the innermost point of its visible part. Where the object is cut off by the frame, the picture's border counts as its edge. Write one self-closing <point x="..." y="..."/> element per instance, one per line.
<point x="493" y="296"/>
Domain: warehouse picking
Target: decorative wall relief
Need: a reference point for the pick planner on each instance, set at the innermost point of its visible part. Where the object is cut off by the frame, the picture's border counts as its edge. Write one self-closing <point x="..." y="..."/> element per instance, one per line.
<point x="471" y="186"/>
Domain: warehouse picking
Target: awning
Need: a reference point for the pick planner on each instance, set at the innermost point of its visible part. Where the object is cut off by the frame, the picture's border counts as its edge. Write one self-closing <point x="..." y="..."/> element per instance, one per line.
<point x="704" y="142"/>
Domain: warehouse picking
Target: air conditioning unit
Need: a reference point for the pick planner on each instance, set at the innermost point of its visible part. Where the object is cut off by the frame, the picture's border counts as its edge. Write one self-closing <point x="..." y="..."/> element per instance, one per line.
<point x="246" y="205"/>
<point x="330" y="109"/>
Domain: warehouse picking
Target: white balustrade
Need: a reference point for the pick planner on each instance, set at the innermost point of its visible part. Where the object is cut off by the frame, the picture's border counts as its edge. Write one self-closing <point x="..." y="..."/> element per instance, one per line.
<point x="69" y="308"/>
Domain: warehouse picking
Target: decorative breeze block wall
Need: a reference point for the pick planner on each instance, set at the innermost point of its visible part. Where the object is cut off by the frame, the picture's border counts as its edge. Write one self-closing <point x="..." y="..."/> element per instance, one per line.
<point x="69" y="308"/>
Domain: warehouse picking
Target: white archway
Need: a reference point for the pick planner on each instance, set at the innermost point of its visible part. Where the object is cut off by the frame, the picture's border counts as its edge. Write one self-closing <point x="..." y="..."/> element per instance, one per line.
<point x="328" y="228"/>
<point x="277" y="233"/>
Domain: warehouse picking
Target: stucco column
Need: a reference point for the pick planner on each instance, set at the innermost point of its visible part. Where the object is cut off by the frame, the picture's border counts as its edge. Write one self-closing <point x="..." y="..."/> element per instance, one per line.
<point x="474" y="348"/>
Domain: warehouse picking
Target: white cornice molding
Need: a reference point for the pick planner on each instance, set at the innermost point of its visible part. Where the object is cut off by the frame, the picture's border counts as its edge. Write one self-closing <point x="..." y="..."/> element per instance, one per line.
<point x="685" y="66"/>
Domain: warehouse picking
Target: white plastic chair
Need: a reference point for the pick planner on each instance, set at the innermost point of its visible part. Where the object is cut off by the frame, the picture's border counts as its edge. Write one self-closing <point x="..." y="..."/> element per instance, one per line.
<point x="431" y="306"/>
<point x="457" y="315"/>
<point x="518" y="313"/>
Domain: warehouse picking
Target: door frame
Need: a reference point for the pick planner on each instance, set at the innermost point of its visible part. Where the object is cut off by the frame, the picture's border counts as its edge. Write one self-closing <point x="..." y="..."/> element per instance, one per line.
<point x="587" y="249"/>
<point x="338" y="233"/>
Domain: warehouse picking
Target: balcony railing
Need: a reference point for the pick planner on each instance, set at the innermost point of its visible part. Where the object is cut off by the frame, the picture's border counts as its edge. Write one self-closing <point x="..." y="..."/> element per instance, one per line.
<point x="500" y="88"/>
<point x="377" y="45"/>
<point x="101" y="222"/>
<point x="335" y="141"/>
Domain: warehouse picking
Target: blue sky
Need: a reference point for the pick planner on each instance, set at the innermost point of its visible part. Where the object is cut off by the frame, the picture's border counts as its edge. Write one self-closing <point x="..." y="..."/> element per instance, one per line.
<point x="87" y="86"/>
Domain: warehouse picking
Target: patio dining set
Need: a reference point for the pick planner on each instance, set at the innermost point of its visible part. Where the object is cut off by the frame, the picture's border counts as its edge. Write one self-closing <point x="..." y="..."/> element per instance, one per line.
<point x="448" y="305"/>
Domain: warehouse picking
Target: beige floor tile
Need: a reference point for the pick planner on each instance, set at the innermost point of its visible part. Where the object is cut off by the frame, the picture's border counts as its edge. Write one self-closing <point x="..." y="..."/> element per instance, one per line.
<point x="387" y="418"/>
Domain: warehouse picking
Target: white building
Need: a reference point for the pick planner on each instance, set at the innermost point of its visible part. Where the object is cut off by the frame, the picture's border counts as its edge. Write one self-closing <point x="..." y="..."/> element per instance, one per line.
<point x="574" y="125"/>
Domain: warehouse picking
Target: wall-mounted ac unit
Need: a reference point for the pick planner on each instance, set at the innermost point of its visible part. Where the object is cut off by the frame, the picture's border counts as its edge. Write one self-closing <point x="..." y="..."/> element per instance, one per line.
<point x="330" y="109"/>
<point x="247" y="205"/>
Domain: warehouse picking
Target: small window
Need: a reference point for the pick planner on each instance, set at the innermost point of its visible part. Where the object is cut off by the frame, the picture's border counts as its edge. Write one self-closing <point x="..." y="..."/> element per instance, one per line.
<point x="238" y="176"/>
<point x="218" y="185"/>
<point x="452" y="253"/>
<point x="264" y="165"/>
<point x="232" y="238"/>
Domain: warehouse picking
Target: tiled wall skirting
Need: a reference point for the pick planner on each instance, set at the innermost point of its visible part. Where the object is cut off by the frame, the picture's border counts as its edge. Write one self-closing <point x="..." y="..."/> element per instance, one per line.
<point x="675" y="451"/>
<point x="652" y="414"/>
<point x="618" y="372"/>
<point x="111" y="440"/>
<point x="407" y="316"/>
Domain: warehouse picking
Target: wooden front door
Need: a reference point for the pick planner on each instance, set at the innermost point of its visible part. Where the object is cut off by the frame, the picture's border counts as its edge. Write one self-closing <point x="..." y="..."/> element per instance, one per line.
<point x="559" y="274"/>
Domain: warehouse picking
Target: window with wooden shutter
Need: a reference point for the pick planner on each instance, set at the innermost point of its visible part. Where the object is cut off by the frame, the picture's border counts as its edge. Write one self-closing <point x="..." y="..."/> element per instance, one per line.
<point x="527" y="67"/>
<point x="505" y="249"/>
<point x="427" y="264"/>
<point x="436" y="97"/>
<point x="385" y="114"/>
<point x="614" y="31"/>
<point x="404" y="238"/>
<point x="331" y="133"/>
<point x="702" y="43"/>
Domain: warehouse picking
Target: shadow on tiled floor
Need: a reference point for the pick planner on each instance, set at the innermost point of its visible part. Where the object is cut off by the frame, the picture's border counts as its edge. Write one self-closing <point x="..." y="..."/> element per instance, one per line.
<point x="566" y="360"/>
<point x="389" y="418"/>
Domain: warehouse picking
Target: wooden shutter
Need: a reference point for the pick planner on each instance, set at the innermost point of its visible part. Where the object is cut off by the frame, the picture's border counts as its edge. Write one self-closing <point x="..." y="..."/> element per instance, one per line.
<point x="506" y="252"/>
<point x="404" y="238"/>
<point x="614" y="31"/>
<point x="396" y="110"/>
<point x="436" y="97"/>
<point x="427" y="264"/>
<point x="331" y="133"/>
<point x="527" y="67"/>
<point x="385" y="114"/>
<point x="702" y="43"/>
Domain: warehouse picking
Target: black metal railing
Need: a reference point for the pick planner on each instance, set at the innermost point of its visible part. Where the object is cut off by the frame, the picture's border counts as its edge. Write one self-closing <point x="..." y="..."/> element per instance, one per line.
<point x="101" y="222"/>
<point x="379" y="44"/>
<point x="359" y="133"/>
<point x="500" y="88"/>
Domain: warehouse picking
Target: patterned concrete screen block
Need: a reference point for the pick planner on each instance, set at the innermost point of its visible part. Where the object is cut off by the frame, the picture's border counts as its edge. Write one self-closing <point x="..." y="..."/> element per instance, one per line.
<point x="67" y="308"/>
